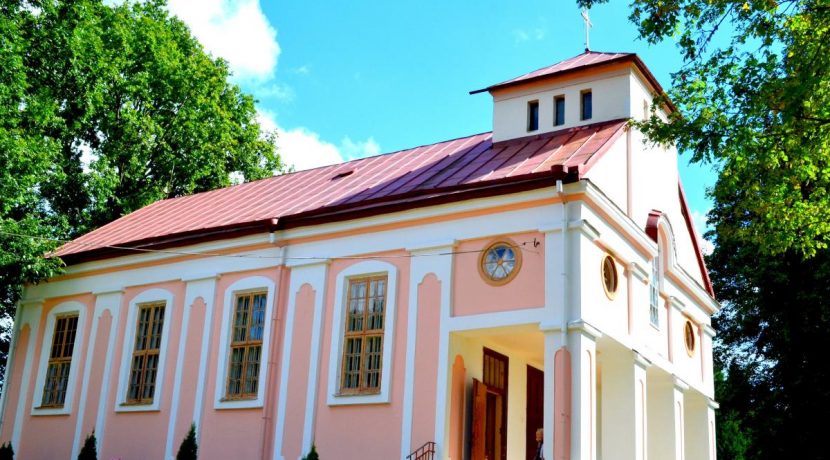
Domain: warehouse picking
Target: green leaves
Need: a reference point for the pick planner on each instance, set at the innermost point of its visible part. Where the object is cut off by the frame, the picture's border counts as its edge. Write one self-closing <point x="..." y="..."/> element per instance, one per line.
<point x="754" y="99"/>
<point x="104" y="110"/>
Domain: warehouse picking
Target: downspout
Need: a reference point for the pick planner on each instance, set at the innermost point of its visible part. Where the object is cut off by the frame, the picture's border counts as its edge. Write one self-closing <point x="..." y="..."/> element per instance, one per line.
<point x="560" y="192"/>
<point x="275" y="346"/>
<point x="564" y="418"/>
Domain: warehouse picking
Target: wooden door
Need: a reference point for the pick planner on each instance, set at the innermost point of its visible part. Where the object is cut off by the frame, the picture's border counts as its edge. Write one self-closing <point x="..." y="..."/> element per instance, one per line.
<point x="496" y="377"/>
<point x="535" y="408"/>
<point x="479" y="420"/>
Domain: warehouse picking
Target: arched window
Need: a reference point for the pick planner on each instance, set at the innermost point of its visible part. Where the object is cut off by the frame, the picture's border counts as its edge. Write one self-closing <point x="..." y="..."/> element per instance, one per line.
<point x="654" y="289"/>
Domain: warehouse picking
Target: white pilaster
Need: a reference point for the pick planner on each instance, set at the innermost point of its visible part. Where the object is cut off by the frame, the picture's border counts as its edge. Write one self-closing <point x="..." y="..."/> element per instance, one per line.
<point x="700" y="427"/>
<point x="110" y="300"/>
<point x="312" y="273"/>
<point x="623" y="422"/>
<point x="204" y="287"/>
<point x="207" y="291"/>
<point x="679" y="418"/>
<point x="423" y="264"/>
<point x="582" y="344"/>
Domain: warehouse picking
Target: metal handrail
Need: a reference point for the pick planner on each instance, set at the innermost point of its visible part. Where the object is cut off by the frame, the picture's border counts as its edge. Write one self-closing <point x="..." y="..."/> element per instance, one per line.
<point x="425" y="452"/>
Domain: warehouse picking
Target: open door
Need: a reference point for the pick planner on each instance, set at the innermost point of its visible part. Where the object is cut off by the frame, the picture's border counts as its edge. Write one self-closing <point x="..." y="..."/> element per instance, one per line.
<point x="534" y="415"/>
<point x="479" y="420"/>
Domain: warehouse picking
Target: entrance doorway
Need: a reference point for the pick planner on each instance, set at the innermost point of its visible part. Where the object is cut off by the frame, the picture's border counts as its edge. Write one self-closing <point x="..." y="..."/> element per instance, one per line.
<point x="489" y="440"/>
<point x="535" y="408"/>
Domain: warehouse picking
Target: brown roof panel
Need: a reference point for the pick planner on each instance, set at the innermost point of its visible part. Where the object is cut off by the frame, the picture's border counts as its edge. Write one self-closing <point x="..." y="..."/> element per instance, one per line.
<point x="407" y="178"/>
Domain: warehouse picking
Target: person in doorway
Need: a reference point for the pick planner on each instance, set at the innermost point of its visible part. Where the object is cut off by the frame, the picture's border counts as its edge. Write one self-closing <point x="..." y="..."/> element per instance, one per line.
<point x="539" y="455"/>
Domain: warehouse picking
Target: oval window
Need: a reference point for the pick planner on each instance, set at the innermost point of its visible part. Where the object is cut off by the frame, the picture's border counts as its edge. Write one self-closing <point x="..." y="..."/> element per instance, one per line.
<point x="610" y="281"/>
<point x="689" y="335"/>
<point x="500" y="262"/>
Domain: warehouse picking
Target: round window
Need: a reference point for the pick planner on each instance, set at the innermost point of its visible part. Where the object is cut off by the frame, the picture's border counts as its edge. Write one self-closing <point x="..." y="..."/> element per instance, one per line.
<point x="500" y="262"/>
<point x="610" y="281"/>
<point x="689" y="334"/>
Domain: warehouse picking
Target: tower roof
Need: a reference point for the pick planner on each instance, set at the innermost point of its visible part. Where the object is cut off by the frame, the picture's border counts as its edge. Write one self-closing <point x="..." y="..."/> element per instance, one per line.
<point x="586" y="60"/>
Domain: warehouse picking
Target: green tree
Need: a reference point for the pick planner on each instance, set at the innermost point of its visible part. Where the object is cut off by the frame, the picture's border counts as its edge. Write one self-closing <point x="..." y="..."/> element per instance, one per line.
<point x="312" y="454"/>
<point x="6" y="451"/>
<point x="103" y="110"/>
<point x="89" y="451"/>
<point x="753" y="96"/>
<point x="189" y="450"/>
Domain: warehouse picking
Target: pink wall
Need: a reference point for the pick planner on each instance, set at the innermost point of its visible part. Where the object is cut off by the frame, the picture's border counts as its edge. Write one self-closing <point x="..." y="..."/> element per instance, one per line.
<point x="298" y="373"/>
<point x="426" y="361"/>
<point x="352" y="431"/>
<point x="61" y="428"/>
<point x="219" y="425"/>
<point x="472" y="295"/>
<point x="127" y="432"/>
<point x="13" y="387"/>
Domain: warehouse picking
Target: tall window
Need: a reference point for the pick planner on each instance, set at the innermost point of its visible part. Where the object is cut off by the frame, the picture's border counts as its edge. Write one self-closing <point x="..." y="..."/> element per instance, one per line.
<point x="145" y="362"/>
<point x="60" y="361"/>
<point x="559" y="111"/>
<point x="654" y="291"/>
<point x="533" y="115"/>
<point x="246" y="345"/>
<point x="587" y="105"/>
<point x="363" y="337"/>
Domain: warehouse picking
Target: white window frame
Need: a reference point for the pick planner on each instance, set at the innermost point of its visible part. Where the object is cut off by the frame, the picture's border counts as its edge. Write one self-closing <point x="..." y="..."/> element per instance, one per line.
<point x="362" y="270"/>
<point x="655" y="286"/>
<point x="243" y="286"/>
<point x="154" y="295"/>
<point x="61" y="309"/>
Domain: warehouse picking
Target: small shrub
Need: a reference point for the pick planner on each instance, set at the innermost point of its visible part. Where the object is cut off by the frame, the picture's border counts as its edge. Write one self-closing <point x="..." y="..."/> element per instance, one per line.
<point x="89" y="452"/>
<point x="189" y="450"/>
<point x="6" y="451"/>
<point x="312" y="454"/>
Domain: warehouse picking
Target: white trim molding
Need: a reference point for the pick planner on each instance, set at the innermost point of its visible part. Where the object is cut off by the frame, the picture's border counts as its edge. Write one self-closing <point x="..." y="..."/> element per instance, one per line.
<point x="77" y="350"/>
<point x="367" y="268"/>
<point x="242" y="286"/>
<point x="149" y="296"/>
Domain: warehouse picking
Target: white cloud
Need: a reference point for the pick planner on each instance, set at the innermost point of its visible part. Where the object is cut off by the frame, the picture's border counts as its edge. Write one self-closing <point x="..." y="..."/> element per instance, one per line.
<point x="521" y="35"/>
<point x="359" y="149"/>
<point x="235" y="30"/>
<point x="279" y="91"/>
<point x="302" y="70"/>
<point x="304" y="149"/>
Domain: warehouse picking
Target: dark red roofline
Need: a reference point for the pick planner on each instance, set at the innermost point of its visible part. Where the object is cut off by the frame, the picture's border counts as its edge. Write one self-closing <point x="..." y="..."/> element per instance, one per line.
<point x="701" y="262"/>
<point x="633" y="58"/>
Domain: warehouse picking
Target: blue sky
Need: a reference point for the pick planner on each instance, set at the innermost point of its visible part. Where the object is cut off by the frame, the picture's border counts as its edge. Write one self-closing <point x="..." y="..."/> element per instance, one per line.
<point x="342" y="80"/>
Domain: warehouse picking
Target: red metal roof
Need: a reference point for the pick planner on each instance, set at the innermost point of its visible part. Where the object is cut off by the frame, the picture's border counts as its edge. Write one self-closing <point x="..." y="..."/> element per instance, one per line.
<point x="583" y="60"/>
<point x="588" y="59"/>
<point x="447" y="171"/>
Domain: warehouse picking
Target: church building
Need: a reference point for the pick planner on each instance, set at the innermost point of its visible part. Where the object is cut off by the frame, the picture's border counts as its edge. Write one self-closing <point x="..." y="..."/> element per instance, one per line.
<point x="441" y="302"/>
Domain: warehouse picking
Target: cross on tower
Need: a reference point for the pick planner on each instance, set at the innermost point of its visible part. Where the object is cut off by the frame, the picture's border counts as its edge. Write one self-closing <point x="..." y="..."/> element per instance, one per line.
<point x="588" y="26"/>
